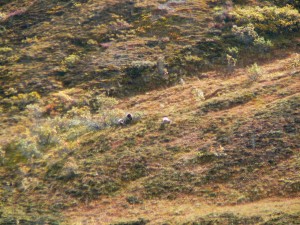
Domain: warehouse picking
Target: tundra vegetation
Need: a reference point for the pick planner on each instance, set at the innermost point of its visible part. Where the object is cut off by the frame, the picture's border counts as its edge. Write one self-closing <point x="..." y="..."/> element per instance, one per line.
<point x="225" y="73"/>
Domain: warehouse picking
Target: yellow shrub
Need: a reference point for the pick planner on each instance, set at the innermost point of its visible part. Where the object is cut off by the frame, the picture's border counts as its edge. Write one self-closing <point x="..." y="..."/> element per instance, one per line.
<point x="268" y="19"/>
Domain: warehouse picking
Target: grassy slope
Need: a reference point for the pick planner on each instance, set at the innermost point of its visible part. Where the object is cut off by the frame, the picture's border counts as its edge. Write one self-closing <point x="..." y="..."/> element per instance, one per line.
<point x="55" y="30"/>
<point x="236" y="152"/>
<point x="244" y="174"/>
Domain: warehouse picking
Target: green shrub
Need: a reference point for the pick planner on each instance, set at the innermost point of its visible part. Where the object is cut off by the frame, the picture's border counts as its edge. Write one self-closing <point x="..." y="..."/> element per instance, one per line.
<point x="46" y="135"/>
<point x="34" y="111"/>
<point x="295" y="3"/>
<point x="2" y="16"/>
<point x="5" y="50"/>
<point x="245" y="34"/>
<point x="193" y="59"/>
<point x="20" y="151"/>
<point x="254" y="72"/>
<point x="232" y="54"/>
<point x="71" y="60"/>
<point x="137" y="68"/>
<point x="133" y="200"/>
<point x="268" y="19"/>
<point x="233" y="51"/>
<point x="102" y="102"/>
<point x="63" y="170"/>
<point x="10" y="91"/>
<point x="262" y="45"/>
<point x="21" y="100"/>
<point x="231" y="63"/>
<point x="92" y="42"/>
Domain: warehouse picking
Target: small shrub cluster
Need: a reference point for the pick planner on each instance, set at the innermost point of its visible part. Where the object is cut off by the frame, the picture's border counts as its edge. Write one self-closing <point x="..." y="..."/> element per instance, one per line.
<point x="231" y="63"/>
<point x="198" y="94"/>
<point x="268" y="19"/>
<point x="295" y="3"/>
<point x="137" y="68"/>
<point x="92" y="42"/>
<point x="2" y="16"/>
<point x="5" y="50"/>
<point x="119" y="24"/>
<point x="232" y="54"/>
<point x="46" y="134"/>
<point x="262" y="45"/>
<point x="71" y="60"/>
<point x="254" y="72"/>
<point x="20" y="101"/>
<point x="193" y="59"/>
<point x="245" y="34"/>
<point x="20" y="151"/>
<point x="57" y="131"/>
<point x="133" y="200"/>
<point x="192" y="63"/>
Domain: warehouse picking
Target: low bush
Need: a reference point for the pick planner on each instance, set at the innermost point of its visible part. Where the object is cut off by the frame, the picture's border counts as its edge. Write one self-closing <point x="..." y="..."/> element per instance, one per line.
<point x="295" y="3"/>
<point x="5" y="50"/>
<point x="245" y="34"/>
<point x="254" y="72"/>
<point x="262" y="45"/>
<point x="20" y="151"/>
<point x="71" y="60"/>
<point x="137" y="68"/>
<point x="268" y="19"/>
<point x="21" y="100"/>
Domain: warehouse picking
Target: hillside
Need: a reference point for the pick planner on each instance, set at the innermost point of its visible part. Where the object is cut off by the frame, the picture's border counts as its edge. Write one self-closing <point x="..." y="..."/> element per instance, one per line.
<point x="226" y="73"/>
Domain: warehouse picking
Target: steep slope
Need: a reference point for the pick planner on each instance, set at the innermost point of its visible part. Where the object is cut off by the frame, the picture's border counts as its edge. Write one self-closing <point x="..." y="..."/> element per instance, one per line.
<point x="56" y="44"/>
<point x="230" y="154"/>
<point x="239" y="144"/>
